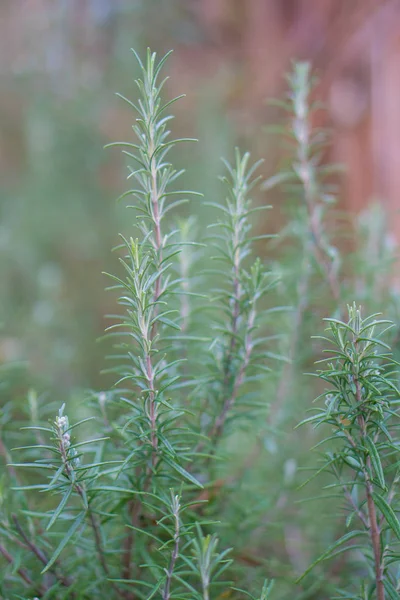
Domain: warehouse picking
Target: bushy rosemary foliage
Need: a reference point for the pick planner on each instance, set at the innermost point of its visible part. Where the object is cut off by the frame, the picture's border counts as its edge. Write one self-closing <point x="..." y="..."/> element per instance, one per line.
<point x="140" y="491"/>
<point x="360" y="408"/>
<point x="121" y="511"/>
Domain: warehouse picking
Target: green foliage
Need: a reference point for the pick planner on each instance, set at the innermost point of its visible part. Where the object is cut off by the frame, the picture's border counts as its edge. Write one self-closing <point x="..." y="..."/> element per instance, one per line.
<point x="360" y="406"/>
<point x="180" y="481"/>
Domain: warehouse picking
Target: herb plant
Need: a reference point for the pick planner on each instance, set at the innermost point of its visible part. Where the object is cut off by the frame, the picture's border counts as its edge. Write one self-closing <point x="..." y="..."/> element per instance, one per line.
<point x="360" y="408"/>
<point x="130" y="495"/>
<point x="139" y="497"/>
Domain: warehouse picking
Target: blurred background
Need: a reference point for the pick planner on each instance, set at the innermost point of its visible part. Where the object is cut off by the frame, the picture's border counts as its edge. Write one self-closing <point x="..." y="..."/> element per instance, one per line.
<point x="62" y="61"/>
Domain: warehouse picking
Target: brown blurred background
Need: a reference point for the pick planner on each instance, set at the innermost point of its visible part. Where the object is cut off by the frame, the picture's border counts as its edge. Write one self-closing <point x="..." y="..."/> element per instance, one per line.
<point x="353" y="44"/>
<point x="61" y="60"/>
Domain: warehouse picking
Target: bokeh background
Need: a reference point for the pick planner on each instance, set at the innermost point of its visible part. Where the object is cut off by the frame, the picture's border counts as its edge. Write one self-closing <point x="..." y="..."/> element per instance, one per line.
<point x="62" y="61"/>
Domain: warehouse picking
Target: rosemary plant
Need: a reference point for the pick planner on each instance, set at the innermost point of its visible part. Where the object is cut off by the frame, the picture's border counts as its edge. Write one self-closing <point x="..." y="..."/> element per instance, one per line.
<point x="130" y="494"/>
<point x="238" y="351"/>
<point x="310" y="261"/>
<point x="360" y="407"/>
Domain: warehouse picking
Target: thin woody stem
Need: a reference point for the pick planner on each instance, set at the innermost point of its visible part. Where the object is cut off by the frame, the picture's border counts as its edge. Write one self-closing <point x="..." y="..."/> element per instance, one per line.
<point x="23" y="573"/>
<point x="219" y="423"/>
<point x="166" y="595"/>
<point x="40" y="555"/>
<point x="135" y="505"/>
<point x="374" y="529"/>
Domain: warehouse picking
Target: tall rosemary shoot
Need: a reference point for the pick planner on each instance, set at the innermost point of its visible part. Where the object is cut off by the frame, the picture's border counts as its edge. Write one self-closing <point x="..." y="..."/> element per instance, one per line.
<point x="360" y="408"/>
